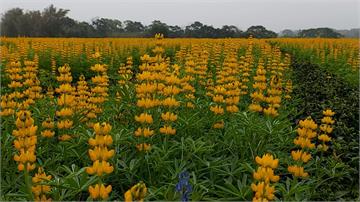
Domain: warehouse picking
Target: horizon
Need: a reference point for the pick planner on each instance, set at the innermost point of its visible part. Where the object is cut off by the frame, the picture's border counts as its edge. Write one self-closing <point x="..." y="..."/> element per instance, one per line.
<point x="276" y="15"/>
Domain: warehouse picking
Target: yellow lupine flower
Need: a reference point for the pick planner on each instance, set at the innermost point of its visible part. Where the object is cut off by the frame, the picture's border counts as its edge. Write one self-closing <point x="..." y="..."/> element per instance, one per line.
<point x="100" y="191"/>
<point x="298" y="171"/>
<point x="136" y="193"/>
<point x="267" y="160"/>
<point x="327" y="120"/>
<point x="217" y="109"/>
<point x="102" y="129"/>
<point x="300" y="155"/>
<point x="144" y="118"/>
<point x="101" y="153"/>
<point x="99" y="168"/>
<point x="324" y="138"/>
<point x="328" y="112"/>
<point x="308" y="123"/>
<point x="143" y="146"/>
<point x="100" y="140"/>
<point x="169" y="116"/>
<point x="168" y="130"/>
<point x="326" y="128"/>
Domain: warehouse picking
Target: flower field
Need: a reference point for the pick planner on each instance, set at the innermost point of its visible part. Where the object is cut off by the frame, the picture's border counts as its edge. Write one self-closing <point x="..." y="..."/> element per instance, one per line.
<point x="179" y="119"/>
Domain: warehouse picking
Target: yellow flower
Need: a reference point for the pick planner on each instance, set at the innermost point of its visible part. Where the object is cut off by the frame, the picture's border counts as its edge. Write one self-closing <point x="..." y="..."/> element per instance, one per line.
<point x="298" y="171"/>
<point x="101" y="140"/>
<point x="128" y="196"/>
<point x="171" y="90"/>
<point x="65" y="137"/>
<point x="101" y="153"/>
<point x="170" y="102"/>
<point x="324" y="138"/>
<point x="266" y="175"/>
<point x="328" y="112"/>
<point x="96" y="55"/>
<point x="232" y="108"/>
<point x="67" y="100"/>
<point x="255" y="107"/>
<point x="136" y="193"/>
<point x="308" y="123"/>
<point x="100" y="191"/>
<point x="25" y="143"/>
<point x="144" y="118"/>
<point x="29" y="166"/>
<point x="304" y="142"/>
<point x="217" y="109"/>
<point x="65" y="89"/>
<point x="64" y="69"/>
<point x="323" y="147"/>
<point x="39" y="189"/>
<point x="271" y="111"/>
<point x="326" y="128"/>
<point x="168" y="130"/>
<point x="218" y="98"/>
<point x="102" y="129"/>
<point x="263" y="191"/>
<point x="218" y="125"/>
<point x="99" y="168"/>
<point x="257" y="96"/>
<point x="42" y="198"/>
<point x="146" y="132"/>
<point x="300" y="155"/>
<point x="48" y="123"/>
<point x="65" y="112"/>
<point x="169" y="116"/>
<point x="267" y="160"/>
<point x="41" y="176"/>
<point x="190" y="105"/>
<point x="25" y="156"/>
<point x="327" y="120"/>
<point x="98" y="68"/>
<point x="64" y="124"/>
<point x="147" y="103"/>
<point x="143" y="146"/>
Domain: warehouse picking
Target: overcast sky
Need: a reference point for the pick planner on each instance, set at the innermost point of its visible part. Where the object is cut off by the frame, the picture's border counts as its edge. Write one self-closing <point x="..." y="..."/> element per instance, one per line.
<point x="273" y="14"/>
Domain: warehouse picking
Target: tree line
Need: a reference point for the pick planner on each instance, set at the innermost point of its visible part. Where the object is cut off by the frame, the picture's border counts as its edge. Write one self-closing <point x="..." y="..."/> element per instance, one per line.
<point x="323" y="32"/>
<point x="54" y="22"/>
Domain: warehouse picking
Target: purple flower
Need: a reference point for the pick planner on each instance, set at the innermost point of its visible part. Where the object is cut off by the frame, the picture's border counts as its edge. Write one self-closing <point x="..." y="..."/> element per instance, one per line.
<point x="183" y="186"/>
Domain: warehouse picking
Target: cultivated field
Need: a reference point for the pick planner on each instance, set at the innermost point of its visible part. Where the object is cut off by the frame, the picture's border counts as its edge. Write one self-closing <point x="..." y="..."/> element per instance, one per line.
<point x="179" y="119"/>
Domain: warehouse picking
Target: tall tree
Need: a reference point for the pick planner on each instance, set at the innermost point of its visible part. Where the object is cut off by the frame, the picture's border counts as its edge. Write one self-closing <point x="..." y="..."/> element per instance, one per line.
<point x="133" y="26"/>
<point x="107" y="27"/>
<point x="11" y="22"/>
<point x="52" y="23"/>
<point x="319" y="32"/>
<point x="157" y="27"/>
<point x="260" y="32"/>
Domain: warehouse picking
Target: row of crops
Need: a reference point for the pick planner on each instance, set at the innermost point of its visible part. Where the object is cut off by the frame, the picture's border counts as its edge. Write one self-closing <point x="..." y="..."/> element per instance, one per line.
<point x="179" y="119"/>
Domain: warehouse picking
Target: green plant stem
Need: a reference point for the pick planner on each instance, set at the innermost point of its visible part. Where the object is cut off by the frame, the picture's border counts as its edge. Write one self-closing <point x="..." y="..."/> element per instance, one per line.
<point x="28" y="184"/>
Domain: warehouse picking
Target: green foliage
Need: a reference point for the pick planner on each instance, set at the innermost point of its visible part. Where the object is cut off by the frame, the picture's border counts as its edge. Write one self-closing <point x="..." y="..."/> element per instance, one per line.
<point x="319" y="32"/>
<point x="317" y="90"/>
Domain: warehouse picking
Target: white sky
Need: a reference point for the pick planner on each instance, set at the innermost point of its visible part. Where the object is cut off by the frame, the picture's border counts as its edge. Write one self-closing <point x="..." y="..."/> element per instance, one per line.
<point x="273" y="14"/>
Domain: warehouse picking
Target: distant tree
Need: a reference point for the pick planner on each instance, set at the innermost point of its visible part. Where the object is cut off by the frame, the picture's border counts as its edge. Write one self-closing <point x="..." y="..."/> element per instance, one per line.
<point x="157" y="27"/>
<point x="11" y="22"/>
<point x="260" y="32"/>
<point x="52" y="21"/>
<point x="133" y="26"/>
<point x="194" y="30"/>
<point x="175" y="32"/>
<point x="230" y="31"/>
<point x="319" y="32"/>
<point x="288" y="33"/>
<point x="105" y="27"/>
